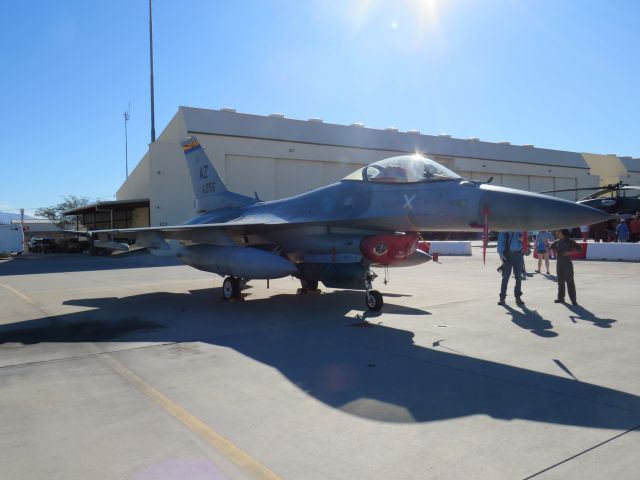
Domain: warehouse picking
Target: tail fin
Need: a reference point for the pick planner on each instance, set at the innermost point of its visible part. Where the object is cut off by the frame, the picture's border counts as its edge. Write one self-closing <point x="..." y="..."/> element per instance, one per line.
<point x="209" y="189"/>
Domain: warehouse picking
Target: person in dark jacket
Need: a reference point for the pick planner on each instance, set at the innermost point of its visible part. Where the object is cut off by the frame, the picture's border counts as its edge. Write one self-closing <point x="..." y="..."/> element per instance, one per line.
<point x="510" y="251"/>
<point x="563" y="247"/>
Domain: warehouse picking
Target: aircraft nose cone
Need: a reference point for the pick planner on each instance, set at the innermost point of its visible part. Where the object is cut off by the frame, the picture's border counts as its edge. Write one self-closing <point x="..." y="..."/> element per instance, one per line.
<point x="514" y="210"/>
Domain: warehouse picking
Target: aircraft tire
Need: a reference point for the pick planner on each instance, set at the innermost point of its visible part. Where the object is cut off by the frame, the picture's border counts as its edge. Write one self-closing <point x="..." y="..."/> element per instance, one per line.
<point x="309" y="285"/>
<point x="374" y="300"/>
<point x="230" y="288"/>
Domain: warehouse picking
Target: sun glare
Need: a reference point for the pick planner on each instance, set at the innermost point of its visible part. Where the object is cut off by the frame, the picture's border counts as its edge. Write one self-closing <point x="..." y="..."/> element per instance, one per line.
<point x="427" y="13"/>
<point x="421" y="16"/>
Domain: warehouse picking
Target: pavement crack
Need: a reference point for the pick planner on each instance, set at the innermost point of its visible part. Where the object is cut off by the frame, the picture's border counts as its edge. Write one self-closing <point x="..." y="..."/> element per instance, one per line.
<point x="581" y="453"/>
<point x="86" y="355"/>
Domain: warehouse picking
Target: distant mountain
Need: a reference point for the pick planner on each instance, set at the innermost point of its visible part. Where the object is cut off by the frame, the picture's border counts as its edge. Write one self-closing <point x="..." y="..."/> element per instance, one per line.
<point x="6" y="217"/>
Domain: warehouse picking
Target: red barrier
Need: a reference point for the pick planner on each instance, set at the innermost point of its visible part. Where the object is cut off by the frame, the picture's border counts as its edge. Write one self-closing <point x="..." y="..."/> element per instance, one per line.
<point x="581" y="255"/>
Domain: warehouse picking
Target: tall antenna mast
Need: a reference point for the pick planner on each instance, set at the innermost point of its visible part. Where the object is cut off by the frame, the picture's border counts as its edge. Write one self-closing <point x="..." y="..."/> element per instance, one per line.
<point x="127" y="115"/>
<point x="153" y="115"/>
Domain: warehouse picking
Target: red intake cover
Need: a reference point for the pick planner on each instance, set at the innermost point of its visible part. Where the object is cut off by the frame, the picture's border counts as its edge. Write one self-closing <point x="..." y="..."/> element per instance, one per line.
<point x="387" y="249"/>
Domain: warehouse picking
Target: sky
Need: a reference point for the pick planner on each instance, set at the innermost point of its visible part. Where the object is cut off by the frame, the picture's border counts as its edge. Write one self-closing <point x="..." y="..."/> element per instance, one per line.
<point x="560" y="74"/>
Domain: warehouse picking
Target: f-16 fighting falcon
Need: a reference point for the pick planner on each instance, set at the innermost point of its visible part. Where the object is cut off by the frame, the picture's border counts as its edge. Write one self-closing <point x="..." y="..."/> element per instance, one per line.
<point x="335" y="234"/>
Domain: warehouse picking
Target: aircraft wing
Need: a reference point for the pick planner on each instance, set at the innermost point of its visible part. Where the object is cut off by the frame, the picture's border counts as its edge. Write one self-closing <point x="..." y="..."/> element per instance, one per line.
<point x="184" y="231"/>
<point x="219" y="233"/>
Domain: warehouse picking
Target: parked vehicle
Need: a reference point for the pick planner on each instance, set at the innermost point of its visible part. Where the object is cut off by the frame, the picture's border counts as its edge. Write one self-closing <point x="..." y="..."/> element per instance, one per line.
<point x="11" y="239"/>
<point x="42" y="245"/>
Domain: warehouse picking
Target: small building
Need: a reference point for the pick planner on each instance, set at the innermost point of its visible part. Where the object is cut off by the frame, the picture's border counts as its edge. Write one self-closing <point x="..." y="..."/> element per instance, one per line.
<point x="107" y="215"/>
<point x="275" y="157"/>
<point x="38" y="227"/>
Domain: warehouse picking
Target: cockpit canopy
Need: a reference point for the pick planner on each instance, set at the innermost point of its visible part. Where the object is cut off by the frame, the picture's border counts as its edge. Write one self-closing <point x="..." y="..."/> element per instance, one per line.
<point x="404" y="169"/>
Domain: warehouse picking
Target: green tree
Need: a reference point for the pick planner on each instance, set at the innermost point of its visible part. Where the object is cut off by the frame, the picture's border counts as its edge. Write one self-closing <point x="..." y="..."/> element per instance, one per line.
<point x="55" y="212"/>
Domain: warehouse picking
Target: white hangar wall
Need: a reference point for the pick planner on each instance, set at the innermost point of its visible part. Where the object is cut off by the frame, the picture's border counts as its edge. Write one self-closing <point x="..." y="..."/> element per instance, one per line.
<point x="277" y="157"/>
<point x="530" y="177"/>
<point x="632" y="165"/>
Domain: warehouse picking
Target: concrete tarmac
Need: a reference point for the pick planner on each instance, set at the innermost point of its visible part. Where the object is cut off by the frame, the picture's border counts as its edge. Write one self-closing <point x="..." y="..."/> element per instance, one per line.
<point x="131" y="367"/>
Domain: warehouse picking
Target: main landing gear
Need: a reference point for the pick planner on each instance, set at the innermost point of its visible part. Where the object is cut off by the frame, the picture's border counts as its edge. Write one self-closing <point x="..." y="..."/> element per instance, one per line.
<point x="308" y="286"/>
<point x="231" y="288"/>
<point x="373" y="298"/>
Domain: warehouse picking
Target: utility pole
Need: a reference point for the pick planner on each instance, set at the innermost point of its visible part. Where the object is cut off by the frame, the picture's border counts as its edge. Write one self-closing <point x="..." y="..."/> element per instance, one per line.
<point x="153" y="115"/>
<point x="24" y="241"/>
<point x="127" y="115"/>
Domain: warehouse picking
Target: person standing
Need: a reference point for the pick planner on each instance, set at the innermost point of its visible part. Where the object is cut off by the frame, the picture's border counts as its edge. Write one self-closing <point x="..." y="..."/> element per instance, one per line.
<point x="584" y="231"/>
<point x="543" y="240"/>
<point x="622" y="231"/>
<point x="634" y="227"/>
<point x="510" y="251"/>
<point x="563" y="247"/>
<point x="526" y="250"/>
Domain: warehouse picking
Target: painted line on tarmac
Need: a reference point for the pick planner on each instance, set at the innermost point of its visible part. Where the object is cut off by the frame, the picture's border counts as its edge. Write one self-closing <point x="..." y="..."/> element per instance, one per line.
<point x="26" y="298"/>
<point x="19" y="294"/>
<point x="216" y="440"/>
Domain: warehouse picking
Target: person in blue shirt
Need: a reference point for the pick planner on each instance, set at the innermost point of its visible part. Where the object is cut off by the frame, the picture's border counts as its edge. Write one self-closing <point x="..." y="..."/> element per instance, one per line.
<point x="510" y="251"/>
<point x="543" y="240"/>
<point x="622" y="231"/>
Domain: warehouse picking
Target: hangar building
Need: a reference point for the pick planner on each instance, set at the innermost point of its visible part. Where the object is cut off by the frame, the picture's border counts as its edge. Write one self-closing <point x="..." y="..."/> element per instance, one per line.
<point x="275" y="157"/>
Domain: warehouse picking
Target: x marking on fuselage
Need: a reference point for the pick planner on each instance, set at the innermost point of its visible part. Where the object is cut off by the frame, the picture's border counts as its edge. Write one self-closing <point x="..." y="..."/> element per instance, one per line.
<point x="407" y="201"/>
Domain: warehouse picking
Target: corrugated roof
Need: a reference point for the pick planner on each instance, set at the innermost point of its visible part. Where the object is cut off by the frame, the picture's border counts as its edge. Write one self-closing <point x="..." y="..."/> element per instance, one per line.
<point x="110" y="205"/>
<point x="216" y="122"/>
<point x="32" y="221"/>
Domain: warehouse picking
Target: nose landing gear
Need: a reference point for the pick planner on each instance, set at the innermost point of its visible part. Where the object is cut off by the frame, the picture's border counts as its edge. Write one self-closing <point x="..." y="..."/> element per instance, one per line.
<point x="373" y="298"/>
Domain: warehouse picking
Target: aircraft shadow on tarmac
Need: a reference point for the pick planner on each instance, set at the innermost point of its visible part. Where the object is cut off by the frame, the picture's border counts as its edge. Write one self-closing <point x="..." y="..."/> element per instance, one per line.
<point x="376" y="373"/>
<point x="59" y="263"/>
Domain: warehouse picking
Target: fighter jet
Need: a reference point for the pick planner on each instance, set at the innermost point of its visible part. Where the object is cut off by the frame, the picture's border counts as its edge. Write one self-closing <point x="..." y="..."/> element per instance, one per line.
<point x="337" y="233"/>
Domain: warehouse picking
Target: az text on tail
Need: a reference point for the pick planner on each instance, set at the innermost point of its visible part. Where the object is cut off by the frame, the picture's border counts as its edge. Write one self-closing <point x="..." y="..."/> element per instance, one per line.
<point x="209" y="189"/>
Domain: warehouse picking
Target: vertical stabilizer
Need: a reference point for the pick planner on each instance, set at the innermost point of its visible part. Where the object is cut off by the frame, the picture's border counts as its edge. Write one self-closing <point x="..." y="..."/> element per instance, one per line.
<point x="210" y="191"/>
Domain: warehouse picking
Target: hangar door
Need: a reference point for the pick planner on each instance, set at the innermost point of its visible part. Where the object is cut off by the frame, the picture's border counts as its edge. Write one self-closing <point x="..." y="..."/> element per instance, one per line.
<point x="248" y="175"/>
<point x="274" y="178"/>
<point x="299" y="176"/>
<point x="521" y="182"/>
<point x="295" y="176"/>
<point x="565" y="183"/>
<point x="541" y="184"/>
<point x="485" y="177"/>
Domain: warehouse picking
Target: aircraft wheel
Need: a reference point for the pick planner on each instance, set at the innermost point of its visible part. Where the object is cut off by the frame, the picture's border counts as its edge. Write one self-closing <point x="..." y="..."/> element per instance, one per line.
<point x="309" y="285"/>
<point x="374" y="300"/>
<point x="230" y="288"/>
